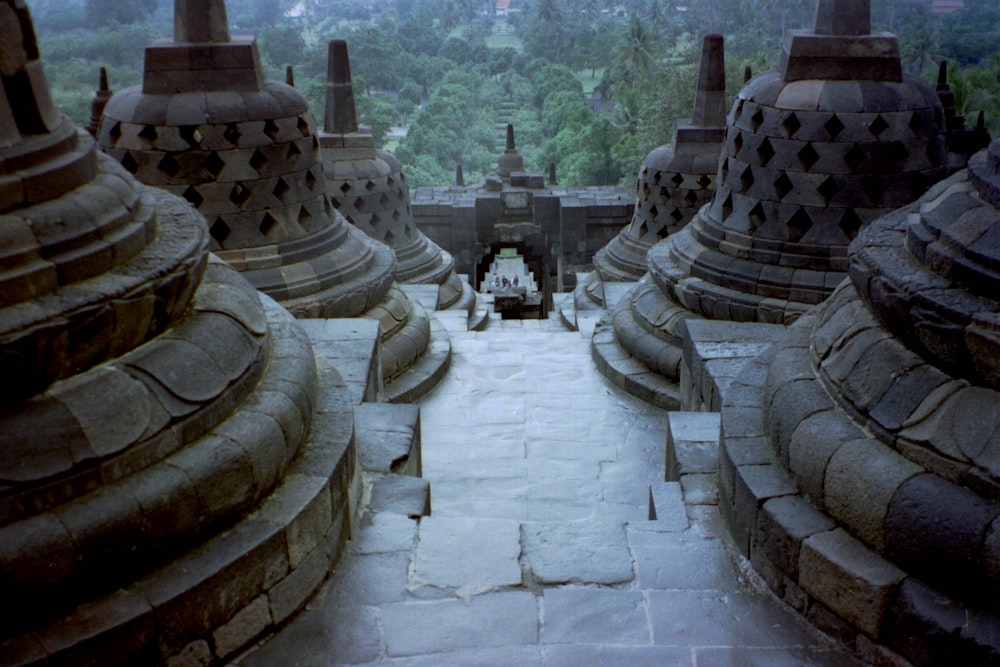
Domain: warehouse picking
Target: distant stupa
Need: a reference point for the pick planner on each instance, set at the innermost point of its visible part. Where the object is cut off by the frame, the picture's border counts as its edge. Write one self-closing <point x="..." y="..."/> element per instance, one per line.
<point x="158" y="453"/>
<point x="369" y="188"/>
<point x="245" y="153"/>
<point x="813" y="152"/>
<point x="674" y="181"/>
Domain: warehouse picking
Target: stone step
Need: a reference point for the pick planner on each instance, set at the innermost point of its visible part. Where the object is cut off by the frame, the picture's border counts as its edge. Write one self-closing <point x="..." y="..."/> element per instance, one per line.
<point x="213" y="600"/>
<point x="715" y="353"/>
<point x="615" y="291"/>
<point x="567" y="311"/>
<point x="692" y="456"/>
<point x="480" y="316"/>
<point x="666" y="505"/>
<point x="626" y="372"/>
<point x="429" y="369"/>
<point x="401" y="494"/>
<point x="387" y="436"/>
<point x="425" y="295"/>
<point x="351" y="346"/>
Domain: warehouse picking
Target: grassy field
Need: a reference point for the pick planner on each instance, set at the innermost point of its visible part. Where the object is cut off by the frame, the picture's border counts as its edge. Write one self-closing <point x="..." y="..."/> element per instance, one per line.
<point x="590" y="82"/>
<point x="502" y="37"/>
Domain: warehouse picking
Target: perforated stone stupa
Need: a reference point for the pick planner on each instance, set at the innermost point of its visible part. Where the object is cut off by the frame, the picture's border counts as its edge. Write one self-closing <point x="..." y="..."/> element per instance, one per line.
<point x="245" y="153"/>
<point x="162" y="492"/>
<point x="369" y="188"/>
<point x="674" y="181"/>
<point x="836" y="138"/>
<point x="859" y="467"/>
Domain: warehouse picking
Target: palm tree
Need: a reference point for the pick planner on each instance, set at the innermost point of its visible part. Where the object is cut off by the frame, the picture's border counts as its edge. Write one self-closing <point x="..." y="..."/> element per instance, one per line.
<point x="635" y="56"/>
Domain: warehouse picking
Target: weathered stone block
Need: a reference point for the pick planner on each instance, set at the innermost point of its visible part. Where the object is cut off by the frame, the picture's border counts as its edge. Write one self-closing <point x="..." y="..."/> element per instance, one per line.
<point x="402" y="494"/>
<point x="289" y="594"/>
<point x="782" y="524"/>
<point x="937" y="529"/>
<point x="861" y="479"/>
<point x="812" y="445"/>
<point x="928" y="628"/>
<point x="853" y="581"/>
<point x="241" y="628"/>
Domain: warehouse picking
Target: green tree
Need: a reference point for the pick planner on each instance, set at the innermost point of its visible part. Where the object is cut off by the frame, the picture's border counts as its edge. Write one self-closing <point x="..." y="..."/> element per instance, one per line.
<point x="107" y="12"/>
<point x="282" y="45"/>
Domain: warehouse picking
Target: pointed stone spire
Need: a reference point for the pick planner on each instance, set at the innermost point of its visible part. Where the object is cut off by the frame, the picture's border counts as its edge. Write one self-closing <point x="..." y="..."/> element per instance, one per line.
<point x="552" y="174"/>
<point x="841" y="47"/>
<point x="101" y="97"/>
<point x="26" y="107"/>
<point x="459" y="175"/>
<point x="202" y="56"/>
<point x="706" y="130"/>
<point x="710" y="98"/>
<point x="747" y="74"/>
<point x="843" y="17"/>
<point x="510" y="159"/>
<point x="341" y="115"/>
<point x="368" y="187"/>
<point x="201" y="21"/>
<point x="953" y="121"/>
<point x="290" y="76"/>
<point x="942" y="80"/>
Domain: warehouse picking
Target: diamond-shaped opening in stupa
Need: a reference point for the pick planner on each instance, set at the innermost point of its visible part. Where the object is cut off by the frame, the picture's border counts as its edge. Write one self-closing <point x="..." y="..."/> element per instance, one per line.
<point x="808" y="156"/>
<point x="267" y="224"/>
<point x="169" y="165"/>
<point x="219" y="230"/>
<point x="783" y="185"/>
<point x="214" y="164"/>
<point x="828" y="189"/>
<point x="193" y="196"/>
<point x="765" y="151"/>
<point x="878" y="126"/>
<point x="791" y="124"/>
<point x="798" y="225"/>
<point x="834" y="126"/>
<point x="855" y="157"/>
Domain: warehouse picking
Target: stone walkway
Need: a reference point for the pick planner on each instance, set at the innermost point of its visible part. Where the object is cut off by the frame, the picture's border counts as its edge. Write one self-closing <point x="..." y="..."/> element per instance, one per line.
<point x="539" y="550"/>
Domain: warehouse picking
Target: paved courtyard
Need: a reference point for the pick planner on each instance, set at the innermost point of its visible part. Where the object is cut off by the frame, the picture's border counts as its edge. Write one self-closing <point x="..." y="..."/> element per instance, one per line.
<point x="540" y="550"/>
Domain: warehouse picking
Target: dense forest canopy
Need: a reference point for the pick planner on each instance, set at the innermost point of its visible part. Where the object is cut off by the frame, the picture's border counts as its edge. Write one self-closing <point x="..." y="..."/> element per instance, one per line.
<point x="590" y="85"/>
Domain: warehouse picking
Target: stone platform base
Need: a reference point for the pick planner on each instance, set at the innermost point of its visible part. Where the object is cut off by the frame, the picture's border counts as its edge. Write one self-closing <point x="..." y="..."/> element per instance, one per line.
<point x="629" y="373"/>
<point x="216" y="599"/>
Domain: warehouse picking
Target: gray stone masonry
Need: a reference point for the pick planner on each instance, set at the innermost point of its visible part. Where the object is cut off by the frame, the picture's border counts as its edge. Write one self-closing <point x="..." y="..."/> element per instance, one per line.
<point x="540" y="550"/>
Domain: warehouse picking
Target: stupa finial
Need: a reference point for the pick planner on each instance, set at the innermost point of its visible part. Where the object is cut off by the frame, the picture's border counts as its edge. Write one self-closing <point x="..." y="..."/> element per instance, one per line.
<point x="26" y="106"/>
<point x="290" y="76"/>
<point x="459" y="176"/>
<point x="341" y="115"/>
<point x="841" y="47"/>
<point x="710" y="98"/>
<point x="100" y="100"/>
<point x="843" y="17"/>
<point x="201" y="21"/>
<point x="510" y="137"/>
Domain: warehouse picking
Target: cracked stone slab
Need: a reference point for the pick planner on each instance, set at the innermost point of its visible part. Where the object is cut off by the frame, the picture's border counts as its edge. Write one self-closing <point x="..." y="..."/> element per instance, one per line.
<point x="444" y="561"/>
<point x="485" y="621"/>
<point x="581" y="552"/>
<point x="599" y="615"/>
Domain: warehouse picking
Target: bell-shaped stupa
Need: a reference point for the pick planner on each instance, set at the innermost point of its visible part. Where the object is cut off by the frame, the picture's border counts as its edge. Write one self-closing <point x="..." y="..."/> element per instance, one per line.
<point x="675" y="180"/>
<point x="159" y="456"/>
<point x="875" y="424"/>
<point x="813" y="152"/>
<point x="245" y="153"/>
<point x="369" y="188"/>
